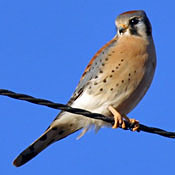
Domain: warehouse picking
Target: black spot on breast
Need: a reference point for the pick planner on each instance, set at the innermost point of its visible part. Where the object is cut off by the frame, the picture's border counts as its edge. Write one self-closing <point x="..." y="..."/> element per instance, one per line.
<point x="96" y="77"/>
<point x="104" y="80"/>
<point x="123" y="81"/>
<point x="111" y="89"/>
<point x="101" y="89"/>
<point x="43" y="138"/>
<point x="106" y="59"/>
<point x="103" y="64"/>
<point x="117" y="84"/>
<point x="122" y="60"/>
<point x="95" y="83"/>
<point x="113" y="71"/>
<point x="101" y="71"/>
<point x="129" y="74"/>
<point x="110" y="76"/>
<point x="117" y="67"/>
<point x="71" y="125"/>
<point x="113" y="51"/>
<point x="109" y="54"/>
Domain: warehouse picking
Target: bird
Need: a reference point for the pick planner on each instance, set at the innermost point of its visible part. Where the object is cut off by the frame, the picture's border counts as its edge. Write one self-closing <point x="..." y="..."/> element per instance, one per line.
<point x="113" y="83"/>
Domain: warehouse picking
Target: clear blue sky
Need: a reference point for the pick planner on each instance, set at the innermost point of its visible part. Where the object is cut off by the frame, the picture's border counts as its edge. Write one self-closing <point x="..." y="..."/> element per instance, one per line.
<point x="44" y="48"/>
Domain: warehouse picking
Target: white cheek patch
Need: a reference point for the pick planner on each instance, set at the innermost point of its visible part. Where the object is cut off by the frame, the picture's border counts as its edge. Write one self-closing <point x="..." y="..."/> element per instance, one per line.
<point x="141" y="29"/>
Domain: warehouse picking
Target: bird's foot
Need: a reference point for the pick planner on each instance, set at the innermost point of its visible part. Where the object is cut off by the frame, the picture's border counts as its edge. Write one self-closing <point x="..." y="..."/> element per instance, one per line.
<point x="119" y="120"/>
<point x="135" y="124"/>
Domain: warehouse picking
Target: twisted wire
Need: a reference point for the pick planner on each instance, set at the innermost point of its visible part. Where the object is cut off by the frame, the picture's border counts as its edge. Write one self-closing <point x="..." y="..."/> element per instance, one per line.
<point x="83" y="112"/>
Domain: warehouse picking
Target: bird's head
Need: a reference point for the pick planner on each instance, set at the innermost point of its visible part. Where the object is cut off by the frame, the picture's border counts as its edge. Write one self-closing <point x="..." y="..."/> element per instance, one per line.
<point x="133" y="23"/>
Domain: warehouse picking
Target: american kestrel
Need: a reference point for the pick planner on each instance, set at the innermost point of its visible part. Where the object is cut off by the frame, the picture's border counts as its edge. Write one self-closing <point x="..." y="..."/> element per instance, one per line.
<point x="113" y="83"/>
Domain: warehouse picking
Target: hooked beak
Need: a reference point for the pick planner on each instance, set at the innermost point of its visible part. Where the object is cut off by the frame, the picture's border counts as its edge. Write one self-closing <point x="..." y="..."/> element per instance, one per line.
<point x="123" y="28"/>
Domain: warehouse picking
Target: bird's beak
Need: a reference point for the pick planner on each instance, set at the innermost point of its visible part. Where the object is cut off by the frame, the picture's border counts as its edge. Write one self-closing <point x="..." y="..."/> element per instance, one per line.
<point x="122" y="28"/>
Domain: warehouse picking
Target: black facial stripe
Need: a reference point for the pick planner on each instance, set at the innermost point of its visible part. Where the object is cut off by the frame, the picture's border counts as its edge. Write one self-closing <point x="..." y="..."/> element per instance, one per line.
<point x="148" y="26"/>
<point x="133" y="31"/>
<point x="133" y="25"/>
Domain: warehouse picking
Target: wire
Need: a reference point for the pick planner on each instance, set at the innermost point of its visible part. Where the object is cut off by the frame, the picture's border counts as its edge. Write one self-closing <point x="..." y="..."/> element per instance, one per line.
<point x="83" y="112"/>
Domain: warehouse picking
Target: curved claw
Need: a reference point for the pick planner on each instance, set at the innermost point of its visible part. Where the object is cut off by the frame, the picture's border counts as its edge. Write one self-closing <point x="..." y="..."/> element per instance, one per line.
<point x="120" y="120"/>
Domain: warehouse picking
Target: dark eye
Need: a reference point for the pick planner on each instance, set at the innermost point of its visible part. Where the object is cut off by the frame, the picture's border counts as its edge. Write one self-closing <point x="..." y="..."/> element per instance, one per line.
<point x="134" y="21"/>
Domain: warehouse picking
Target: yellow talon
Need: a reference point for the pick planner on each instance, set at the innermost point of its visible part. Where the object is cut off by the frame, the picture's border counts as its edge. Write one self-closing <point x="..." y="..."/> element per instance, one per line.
<point x="135" y="123"/>
<point x="118" y="120"/>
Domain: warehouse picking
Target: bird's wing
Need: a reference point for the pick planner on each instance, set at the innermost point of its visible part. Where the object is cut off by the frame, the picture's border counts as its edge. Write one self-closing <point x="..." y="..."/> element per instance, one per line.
<point x="92" y="69"/>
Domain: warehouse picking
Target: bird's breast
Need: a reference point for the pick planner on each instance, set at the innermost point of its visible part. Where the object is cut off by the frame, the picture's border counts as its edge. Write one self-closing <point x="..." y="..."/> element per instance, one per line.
<point x="120" y="75"/>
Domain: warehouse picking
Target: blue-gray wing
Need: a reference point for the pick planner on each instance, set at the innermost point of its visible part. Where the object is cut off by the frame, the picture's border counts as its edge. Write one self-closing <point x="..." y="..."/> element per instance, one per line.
<point x="92" y="69"/>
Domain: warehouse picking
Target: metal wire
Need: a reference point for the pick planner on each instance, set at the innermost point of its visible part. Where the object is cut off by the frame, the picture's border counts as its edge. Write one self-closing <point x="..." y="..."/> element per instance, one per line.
<point x="83" y="112"/>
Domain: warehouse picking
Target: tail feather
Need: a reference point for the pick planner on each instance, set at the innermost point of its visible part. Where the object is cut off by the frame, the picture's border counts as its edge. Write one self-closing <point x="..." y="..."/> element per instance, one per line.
<point x="61" y="127"/>
<point x="50" y="136"/>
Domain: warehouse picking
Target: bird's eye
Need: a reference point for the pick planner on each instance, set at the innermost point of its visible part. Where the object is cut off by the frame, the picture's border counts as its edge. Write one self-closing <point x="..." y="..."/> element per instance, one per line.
<point x="134" y="21"/>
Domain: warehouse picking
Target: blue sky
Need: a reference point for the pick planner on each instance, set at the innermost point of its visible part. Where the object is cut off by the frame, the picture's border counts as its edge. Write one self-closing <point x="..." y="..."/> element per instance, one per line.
<point x="44" y="48"/>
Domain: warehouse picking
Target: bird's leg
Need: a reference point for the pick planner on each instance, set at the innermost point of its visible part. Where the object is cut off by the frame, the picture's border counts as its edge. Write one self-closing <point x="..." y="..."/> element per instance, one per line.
<point x="118" y="120"/>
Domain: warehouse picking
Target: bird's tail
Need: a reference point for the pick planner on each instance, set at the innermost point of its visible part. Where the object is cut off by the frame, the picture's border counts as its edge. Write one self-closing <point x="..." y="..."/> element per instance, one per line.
<point x="58" y="131"/>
